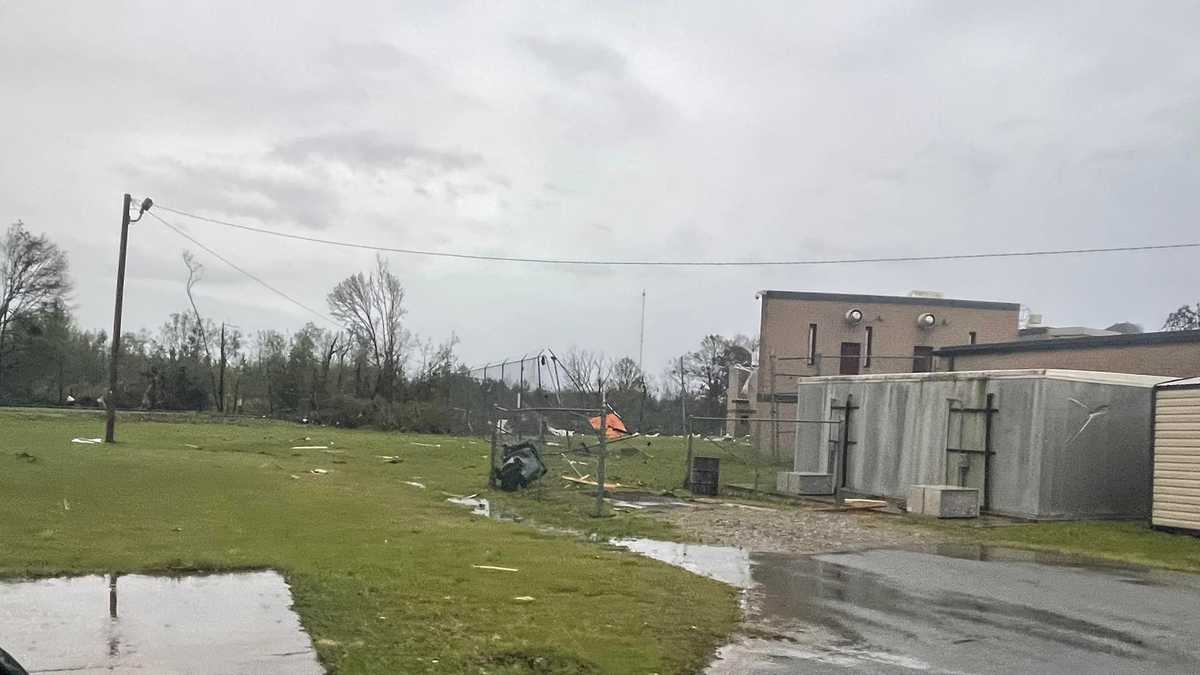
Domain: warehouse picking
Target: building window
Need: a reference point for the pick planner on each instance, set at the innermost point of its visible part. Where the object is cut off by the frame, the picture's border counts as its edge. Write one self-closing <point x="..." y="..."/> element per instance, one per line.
<point x="812" y="344"/>
<point x="922" y="359"/>
<point x="870" y="345"/>
<point x="974" y="337"/>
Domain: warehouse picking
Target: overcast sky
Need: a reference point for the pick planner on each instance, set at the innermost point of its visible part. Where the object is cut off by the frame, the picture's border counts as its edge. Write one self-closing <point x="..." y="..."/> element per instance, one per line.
<point x="657" y="130"/>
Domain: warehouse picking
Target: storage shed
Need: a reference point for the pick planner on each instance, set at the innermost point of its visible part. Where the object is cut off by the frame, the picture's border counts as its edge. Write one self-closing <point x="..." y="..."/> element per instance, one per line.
<point x="1039" y="444"/>
<point x="1177" y="455"/>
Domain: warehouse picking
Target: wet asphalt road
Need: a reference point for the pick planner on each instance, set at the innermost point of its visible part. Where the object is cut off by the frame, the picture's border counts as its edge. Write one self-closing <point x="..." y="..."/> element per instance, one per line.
<point x="964" y="610"/>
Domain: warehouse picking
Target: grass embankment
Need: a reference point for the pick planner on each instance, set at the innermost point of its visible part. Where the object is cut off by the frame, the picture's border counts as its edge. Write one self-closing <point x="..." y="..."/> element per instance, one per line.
<point x="1124" y="542"/>
<point x="381" y="571"/>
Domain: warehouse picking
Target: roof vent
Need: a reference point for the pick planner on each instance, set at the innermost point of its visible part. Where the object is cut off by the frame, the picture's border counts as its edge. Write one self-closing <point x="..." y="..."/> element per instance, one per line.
<point x="854" y="316"/>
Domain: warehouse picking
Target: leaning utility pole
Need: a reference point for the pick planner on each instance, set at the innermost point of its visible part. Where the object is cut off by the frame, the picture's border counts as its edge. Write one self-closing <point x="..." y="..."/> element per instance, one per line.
<point x="110" y="399"/>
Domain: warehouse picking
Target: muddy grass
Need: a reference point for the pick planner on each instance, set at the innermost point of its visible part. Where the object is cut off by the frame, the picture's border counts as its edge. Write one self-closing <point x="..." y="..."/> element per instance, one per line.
<point x="382" y="569"/>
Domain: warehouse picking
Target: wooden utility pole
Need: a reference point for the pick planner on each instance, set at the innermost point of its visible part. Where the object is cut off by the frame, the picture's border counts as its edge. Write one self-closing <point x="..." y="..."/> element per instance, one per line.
<point x="221" y="376"/>
<point x="110" y="400"/>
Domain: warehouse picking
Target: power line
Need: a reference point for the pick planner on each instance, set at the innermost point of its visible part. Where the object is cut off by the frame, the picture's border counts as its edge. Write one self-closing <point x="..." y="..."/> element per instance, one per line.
<point x="686" y="263"/>
<point x="247" y="273"/>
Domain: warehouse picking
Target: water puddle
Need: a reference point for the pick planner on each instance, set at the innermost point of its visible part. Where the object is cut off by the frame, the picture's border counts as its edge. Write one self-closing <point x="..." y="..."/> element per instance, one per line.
<point x="723" y="563"/>
<point x="219" y="623"/>
<point x="947" y="609"/>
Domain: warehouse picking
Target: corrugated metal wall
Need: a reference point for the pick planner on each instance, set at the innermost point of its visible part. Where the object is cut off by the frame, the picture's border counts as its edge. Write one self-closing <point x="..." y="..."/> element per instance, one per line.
<point x="1177" y="458"/>
<point x="1064" y="448"/>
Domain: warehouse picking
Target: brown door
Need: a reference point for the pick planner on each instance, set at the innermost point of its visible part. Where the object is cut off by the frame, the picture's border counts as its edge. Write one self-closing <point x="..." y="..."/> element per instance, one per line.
<point x="850" y="362"/>
<point x="922" y="359"/>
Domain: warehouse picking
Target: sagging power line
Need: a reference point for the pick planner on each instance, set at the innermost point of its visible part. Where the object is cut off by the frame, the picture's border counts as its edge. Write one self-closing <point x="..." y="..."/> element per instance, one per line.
<point x="683" y="263"/>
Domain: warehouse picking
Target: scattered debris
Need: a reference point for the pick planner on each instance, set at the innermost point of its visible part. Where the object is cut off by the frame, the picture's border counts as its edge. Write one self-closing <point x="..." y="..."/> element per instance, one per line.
<point x="521" y="465"/>
<point x="645" y="501"/>
<point x="586" y="481"/>
<point x="864" y="503"/>
<point x="192" y="446"/>
<point x="493" y="567"/>
<point x="747" y="506"/>
<point x="426" y="445"/>
<point x="295" y="477"/>
<point x="414" y="484"/>
<point x="87" y="441"/>
<point x="571" y="463"/>
<point x="524" y="598"/>
<point x="856" y="505"/>
<point x="66" y="505"/>
<point x="310" y="447"/>
<point x="25" y="456"/>
<point x="553" y="444"/>
<point x="479" y="507"/>
<point x="318" y="471"/>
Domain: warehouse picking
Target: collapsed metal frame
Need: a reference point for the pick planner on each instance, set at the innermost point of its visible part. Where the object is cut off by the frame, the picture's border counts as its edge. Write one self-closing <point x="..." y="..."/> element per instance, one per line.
<point x="844" y="441"/>
<point x="540" y="412"/>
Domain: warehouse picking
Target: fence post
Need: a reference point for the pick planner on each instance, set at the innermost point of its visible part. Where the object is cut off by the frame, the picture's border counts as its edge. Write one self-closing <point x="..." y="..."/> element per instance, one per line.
<point x="987" y="452"/>
<point x="600" y="460"/>
<point x="495" y="422"/>
<point x="687" y="463"/>
<point x="845" y="445"/>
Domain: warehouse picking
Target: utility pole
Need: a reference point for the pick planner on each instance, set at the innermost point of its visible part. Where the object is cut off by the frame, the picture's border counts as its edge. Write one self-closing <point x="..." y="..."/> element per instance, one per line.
<point x="221" y="376"/>
<point x="642" y="333"/>
<point x="110" y="399"/>
<point x="110" y="423"/>
<point x="642" y="373"/>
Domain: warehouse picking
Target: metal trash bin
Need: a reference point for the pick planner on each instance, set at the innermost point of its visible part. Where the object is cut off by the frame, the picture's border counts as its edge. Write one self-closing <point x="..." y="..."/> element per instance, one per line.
<point x="706" y="476"/>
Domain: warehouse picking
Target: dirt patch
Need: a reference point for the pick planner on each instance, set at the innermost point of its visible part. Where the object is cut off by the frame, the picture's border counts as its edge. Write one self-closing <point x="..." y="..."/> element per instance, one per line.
<point x="798" y="530"/>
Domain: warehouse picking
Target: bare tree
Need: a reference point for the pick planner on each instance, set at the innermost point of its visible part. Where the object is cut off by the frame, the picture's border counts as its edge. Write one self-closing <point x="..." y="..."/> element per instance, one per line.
<point x="588" y="371"/>
<point x="195" y="274"/>
<point x="372" y="308"/>
<point x="626" y="376"/>
<point x="708" y="367"/>
<point x="1184" y="318"/>
<point x="34" y="277"/>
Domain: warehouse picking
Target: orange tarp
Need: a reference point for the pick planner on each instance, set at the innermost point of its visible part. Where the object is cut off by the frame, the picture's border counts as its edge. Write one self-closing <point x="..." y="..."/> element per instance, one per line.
<point x="616" y="427"/>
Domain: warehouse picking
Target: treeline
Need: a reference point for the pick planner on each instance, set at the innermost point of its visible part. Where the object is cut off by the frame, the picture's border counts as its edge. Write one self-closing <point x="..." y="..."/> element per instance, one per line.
<point x="366" y="370"/>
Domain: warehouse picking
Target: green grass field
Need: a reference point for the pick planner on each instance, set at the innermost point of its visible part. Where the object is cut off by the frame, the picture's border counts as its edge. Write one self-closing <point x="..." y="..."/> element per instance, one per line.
<point x="1124" y="542"/>
<point x="381" y="571"/>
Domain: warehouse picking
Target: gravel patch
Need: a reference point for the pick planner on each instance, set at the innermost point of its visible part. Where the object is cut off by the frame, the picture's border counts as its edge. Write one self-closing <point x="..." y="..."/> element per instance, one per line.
<point x="788" y="529"/>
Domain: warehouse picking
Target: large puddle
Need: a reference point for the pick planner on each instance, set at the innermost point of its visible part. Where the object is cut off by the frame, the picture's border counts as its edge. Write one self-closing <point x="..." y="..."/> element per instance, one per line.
<point x="723" y="563"/>
<point x="974" y="609"/>
<point x="219" y="623"/>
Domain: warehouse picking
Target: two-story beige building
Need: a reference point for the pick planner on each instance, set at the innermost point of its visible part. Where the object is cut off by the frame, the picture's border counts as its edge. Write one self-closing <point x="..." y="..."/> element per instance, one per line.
<point x="811" y="334"/>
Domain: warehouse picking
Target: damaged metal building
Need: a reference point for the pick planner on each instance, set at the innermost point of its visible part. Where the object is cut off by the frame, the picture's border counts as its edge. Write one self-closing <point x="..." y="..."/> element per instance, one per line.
<point x="1038" y="444"/>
